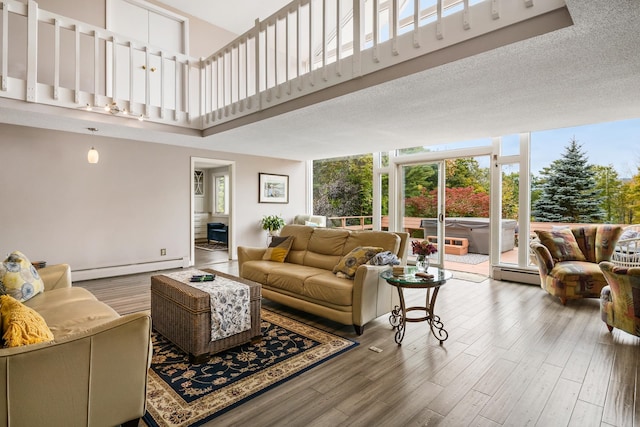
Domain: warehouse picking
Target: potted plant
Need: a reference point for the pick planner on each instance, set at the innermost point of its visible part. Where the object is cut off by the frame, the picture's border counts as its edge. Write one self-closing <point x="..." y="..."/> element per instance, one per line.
<point x="272" y="224"/>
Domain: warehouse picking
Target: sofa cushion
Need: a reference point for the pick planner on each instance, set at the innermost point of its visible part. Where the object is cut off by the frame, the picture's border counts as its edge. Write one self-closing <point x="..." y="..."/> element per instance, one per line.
<point x="354" y="259"/>
<point x="291" y="277"/>
<point x="328" y="241"/>
<point x="301" y="235"/>
<point x="576" y="279"/>
<point x="278" y="248"/>
<point x="22" y="325"/>
<point x="19" y="278"/>
<point x="562" y="245"/>
<point x="258" y="271"/>
<point x="325" y="248"/>
<point x="328" y="288"/>
<point x="71" y="310"/>
<point x="387" y="241"/>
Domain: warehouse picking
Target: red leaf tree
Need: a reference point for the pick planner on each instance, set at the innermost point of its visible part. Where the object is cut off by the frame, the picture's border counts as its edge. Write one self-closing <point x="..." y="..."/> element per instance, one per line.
<point x="460" y="202"/>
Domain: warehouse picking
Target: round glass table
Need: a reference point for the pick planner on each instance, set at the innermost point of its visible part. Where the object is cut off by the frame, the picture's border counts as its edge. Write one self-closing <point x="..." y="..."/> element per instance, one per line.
<point x="409" y="280"/>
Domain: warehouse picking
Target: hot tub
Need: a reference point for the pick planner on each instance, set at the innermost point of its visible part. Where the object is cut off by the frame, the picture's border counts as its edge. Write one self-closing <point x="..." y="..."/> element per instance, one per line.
<point x="476" y="230"/>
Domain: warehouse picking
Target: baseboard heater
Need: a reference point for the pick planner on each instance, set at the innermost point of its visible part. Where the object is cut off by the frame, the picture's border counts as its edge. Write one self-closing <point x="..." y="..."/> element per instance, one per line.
<point x="122" y="270"/>
<point x="530" y="277"/>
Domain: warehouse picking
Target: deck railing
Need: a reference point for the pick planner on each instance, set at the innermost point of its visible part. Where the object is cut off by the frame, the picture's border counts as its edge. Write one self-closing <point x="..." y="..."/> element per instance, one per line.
<point x="307" y="46"/>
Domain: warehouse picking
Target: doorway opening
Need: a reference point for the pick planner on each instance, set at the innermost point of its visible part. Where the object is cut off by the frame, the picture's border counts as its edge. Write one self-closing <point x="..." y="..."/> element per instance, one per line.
<point x="212" y="211"/>
<point x="445" y="199"/>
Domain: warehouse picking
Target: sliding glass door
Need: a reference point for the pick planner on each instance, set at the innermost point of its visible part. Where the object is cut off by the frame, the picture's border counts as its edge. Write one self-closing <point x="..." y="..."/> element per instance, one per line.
<point x="421" y="207"/>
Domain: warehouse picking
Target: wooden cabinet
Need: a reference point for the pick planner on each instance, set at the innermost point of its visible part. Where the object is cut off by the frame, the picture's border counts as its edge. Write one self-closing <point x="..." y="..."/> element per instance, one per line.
<point x="200" y="225"/>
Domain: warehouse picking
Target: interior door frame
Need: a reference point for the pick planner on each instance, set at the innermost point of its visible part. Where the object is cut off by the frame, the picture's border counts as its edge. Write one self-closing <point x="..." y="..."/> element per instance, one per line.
<point x="232" y="247"/>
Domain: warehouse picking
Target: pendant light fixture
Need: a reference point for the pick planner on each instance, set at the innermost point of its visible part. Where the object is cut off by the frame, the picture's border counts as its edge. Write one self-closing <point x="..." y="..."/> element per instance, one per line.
<point x="93" y="156"/>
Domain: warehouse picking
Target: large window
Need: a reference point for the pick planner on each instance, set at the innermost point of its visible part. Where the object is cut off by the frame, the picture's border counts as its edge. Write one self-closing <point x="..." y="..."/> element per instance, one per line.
<point x="586" y="174"/>
<point x="343" y="190"/>
<point x="221" y="196"/>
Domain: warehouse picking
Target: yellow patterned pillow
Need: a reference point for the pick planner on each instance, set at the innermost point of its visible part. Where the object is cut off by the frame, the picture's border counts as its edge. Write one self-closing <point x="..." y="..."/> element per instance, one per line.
<point x="278" y="248"/>
<point x="22" y="325"/>
<point x="354" y="259"/>
<point x="19" y="278"/>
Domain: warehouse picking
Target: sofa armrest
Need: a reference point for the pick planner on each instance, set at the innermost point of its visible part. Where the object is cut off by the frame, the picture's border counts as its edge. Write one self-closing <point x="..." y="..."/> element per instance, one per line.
<point x="96" y="377"/>
<point x="56" y="276"/>
<point x="543" y="258"/>
<point x="372" y="296"/>
<point x="246" y="253"/>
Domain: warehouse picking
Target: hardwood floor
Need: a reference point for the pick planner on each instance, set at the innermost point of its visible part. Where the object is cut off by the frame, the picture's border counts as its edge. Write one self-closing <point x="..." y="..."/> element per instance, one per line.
<point x="515" y="356"/>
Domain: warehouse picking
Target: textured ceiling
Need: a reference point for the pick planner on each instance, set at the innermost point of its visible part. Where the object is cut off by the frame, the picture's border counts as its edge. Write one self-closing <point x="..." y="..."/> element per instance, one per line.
<point x="586" y="73"/>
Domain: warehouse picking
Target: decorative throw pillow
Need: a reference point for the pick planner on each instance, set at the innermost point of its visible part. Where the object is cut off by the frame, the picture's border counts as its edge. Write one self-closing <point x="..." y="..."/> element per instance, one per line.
<point x="354" y="259"/>
<point x="562" y="245"/>
<point x="310" y="224"/>
<point x="22" y="325"/>
<point x="19" y="278"/>
<point x="278" y="248"/>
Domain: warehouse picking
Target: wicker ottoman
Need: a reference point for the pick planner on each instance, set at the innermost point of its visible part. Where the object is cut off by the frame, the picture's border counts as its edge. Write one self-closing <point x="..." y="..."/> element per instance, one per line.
<point x="182" y="314"/>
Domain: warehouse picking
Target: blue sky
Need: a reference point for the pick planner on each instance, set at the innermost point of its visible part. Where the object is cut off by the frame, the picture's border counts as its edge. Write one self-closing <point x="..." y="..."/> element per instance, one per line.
<point x="612" y="143"/>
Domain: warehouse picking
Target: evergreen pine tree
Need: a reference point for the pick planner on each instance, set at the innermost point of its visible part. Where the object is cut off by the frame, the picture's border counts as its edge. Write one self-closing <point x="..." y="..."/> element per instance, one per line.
<point x="569" y="192"/>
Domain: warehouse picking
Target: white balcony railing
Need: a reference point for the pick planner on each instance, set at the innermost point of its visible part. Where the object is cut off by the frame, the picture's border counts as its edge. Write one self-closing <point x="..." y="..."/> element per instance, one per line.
<point x="307" y="46"/>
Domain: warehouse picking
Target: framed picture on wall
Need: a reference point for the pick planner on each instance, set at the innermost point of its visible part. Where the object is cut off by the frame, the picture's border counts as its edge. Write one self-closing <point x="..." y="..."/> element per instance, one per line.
<point x="273" y="188"/>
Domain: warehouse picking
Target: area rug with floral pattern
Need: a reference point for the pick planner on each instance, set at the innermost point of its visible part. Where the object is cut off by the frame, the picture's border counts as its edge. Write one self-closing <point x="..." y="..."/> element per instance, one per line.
<point x="184" y="394"/>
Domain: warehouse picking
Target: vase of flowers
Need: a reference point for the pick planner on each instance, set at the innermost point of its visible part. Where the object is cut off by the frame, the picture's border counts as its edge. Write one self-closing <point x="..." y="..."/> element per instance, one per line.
<point x="422" y="250"/>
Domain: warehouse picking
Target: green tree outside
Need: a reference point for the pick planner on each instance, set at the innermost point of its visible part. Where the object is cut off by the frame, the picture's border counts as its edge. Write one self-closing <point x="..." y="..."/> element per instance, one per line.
<point x="343" y="186"/>
<point x="569" y="192"/>
<point x="610" y="187"/>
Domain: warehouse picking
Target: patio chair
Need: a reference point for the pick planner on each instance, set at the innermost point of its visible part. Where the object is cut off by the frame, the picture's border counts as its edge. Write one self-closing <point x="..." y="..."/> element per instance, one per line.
<point x="627" y="252"/>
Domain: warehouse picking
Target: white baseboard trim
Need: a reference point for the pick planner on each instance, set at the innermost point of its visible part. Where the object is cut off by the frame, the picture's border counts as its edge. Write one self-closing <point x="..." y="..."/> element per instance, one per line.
<point x="122" y="270"/>
<point x="516" y="275"/>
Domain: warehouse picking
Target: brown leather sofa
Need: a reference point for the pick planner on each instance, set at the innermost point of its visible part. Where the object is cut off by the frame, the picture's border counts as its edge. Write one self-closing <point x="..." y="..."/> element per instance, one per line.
<point x="94" y="373"/>
<point x="305" y="281"/>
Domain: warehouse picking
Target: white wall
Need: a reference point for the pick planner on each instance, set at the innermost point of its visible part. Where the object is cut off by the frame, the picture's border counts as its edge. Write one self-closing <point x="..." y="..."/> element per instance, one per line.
<point x="59" y="208"/>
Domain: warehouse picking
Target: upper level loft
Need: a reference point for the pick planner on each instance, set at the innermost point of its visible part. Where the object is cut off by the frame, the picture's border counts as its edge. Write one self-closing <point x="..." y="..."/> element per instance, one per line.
<point x="309" y="47"/>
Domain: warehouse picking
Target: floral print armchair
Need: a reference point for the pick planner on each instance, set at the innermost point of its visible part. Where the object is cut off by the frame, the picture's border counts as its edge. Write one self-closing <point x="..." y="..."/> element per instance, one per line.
<point x="620" y="300"/>
<point x="568" y="259"/>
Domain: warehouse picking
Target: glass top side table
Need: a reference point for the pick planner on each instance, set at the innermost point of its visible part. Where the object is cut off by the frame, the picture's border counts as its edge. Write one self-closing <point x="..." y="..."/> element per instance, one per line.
<point x="398" y="318"/>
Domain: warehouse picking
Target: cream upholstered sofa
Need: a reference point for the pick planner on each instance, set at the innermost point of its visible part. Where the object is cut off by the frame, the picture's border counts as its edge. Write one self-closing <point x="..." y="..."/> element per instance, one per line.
<point x="94" y="373"/>
<point x="311" y="220"/>
<point x="306" y="281"/>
